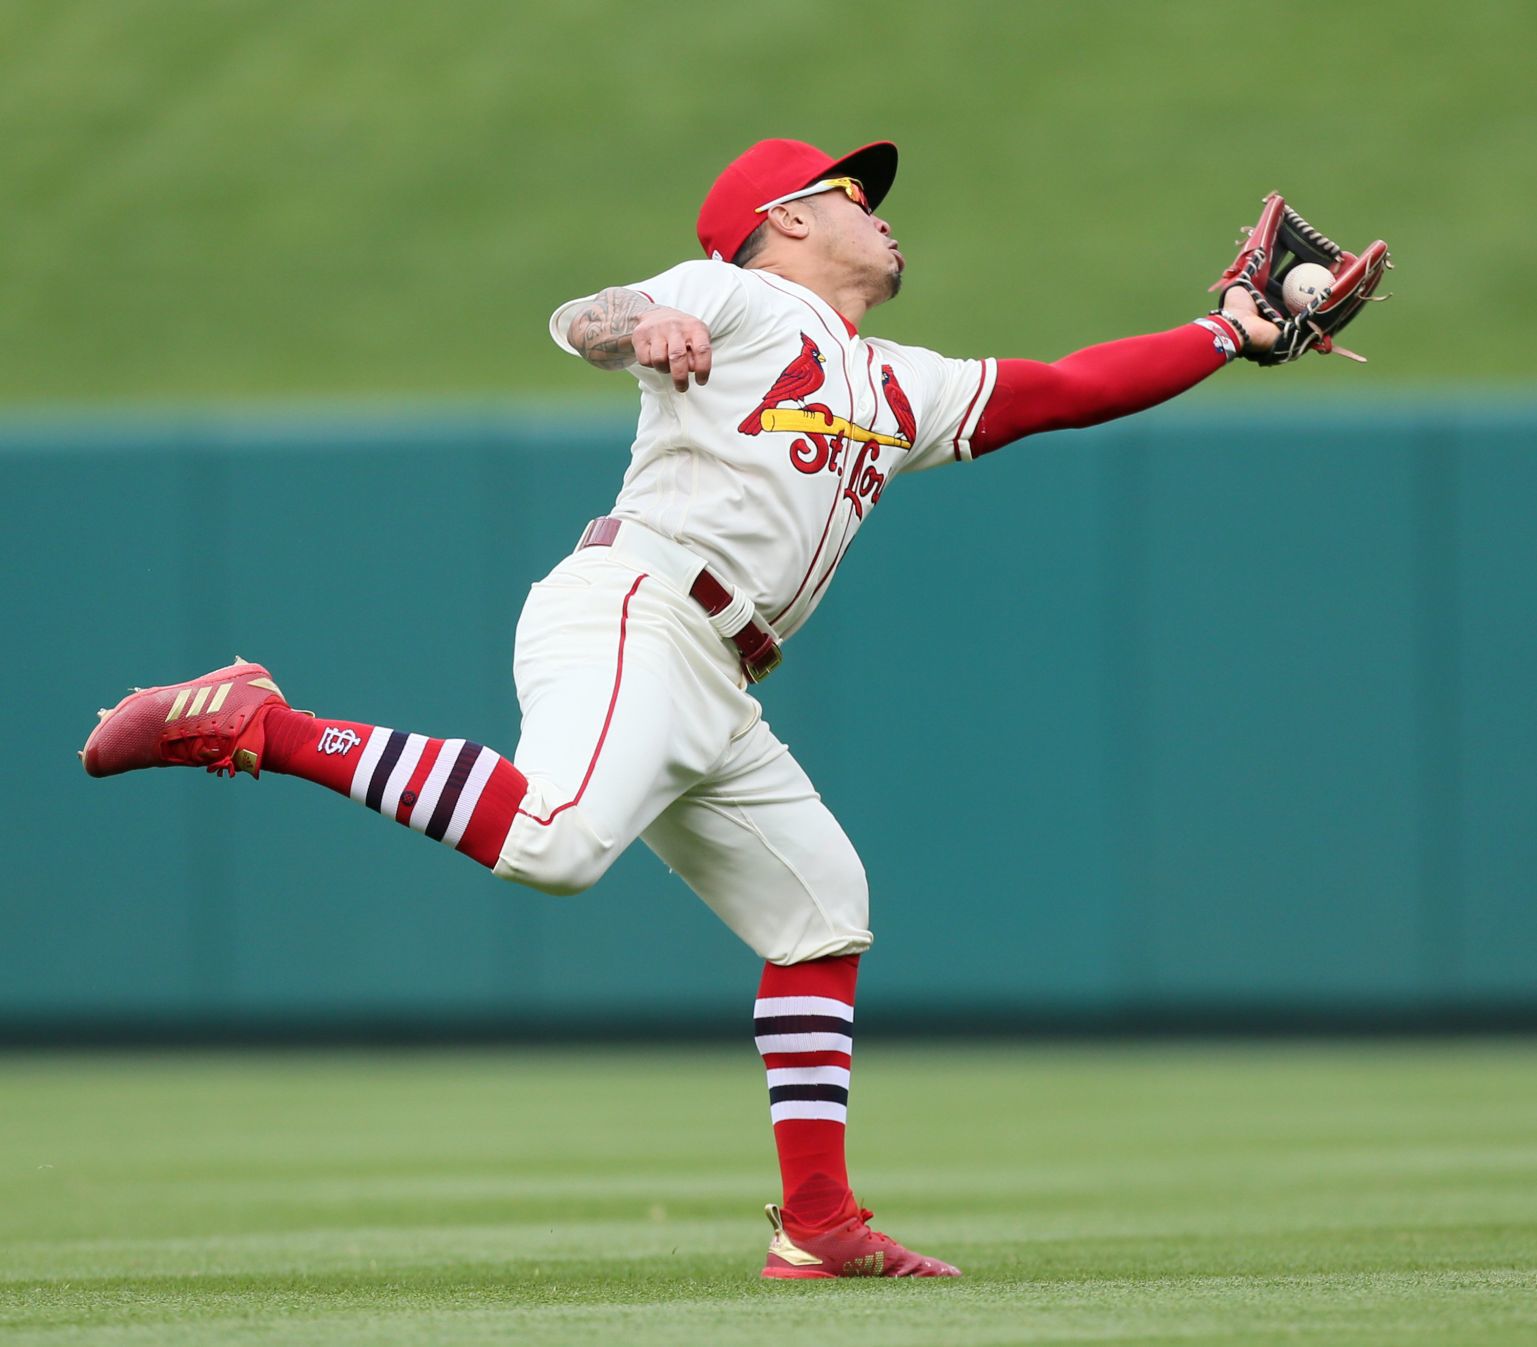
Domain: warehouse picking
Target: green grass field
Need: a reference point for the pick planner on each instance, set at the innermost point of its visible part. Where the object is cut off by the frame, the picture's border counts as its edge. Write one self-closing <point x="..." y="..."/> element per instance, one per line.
<point x="1328" y="1195"/>
<point x="283" y="199"/>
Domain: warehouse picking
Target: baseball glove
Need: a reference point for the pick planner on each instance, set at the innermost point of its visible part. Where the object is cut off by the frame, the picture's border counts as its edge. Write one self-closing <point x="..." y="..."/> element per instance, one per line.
<point x="1279" y="241"/>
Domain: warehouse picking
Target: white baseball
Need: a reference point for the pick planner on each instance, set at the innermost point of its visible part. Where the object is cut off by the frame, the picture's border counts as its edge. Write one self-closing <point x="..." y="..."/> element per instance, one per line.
<point x="1303" y="284"/>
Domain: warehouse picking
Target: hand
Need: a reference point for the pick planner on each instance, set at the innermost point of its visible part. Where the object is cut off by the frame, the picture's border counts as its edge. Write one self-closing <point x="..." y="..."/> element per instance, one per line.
<point x="673" y="343"/>
<point x="1240" y="303"/>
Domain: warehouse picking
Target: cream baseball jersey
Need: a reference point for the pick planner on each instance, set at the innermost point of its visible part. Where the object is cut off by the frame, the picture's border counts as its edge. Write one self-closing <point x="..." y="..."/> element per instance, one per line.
<point x="769" y="470"/>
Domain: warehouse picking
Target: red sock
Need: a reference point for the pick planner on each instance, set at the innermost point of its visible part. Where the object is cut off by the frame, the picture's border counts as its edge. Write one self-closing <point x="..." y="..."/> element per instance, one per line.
<point x="804" y="1021"/>
<point x="456" y="792"/>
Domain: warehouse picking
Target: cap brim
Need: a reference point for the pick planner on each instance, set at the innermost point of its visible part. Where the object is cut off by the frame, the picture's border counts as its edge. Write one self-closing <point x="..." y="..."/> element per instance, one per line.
<point x="874" y="165"/>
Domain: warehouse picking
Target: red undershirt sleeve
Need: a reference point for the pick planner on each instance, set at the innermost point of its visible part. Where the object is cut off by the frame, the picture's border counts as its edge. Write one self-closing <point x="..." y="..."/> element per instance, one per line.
<point x="1096" y="384"/>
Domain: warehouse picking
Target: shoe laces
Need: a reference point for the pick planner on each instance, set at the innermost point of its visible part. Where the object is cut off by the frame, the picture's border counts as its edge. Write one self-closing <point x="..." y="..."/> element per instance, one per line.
<point x="865" y="1217"/>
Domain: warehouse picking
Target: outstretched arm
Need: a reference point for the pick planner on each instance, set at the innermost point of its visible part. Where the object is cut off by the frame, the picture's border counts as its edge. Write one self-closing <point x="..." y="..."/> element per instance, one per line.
<point x="623" y="327"/>
<point x="1115" y="379"/>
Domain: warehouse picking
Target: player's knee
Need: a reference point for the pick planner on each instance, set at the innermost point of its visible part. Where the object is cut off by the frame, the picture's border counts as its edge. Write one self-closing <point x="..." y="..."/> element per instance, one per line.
<point x="562" y="857"/>
<point x="562" y="874"/>
<point x="836" y="923"/>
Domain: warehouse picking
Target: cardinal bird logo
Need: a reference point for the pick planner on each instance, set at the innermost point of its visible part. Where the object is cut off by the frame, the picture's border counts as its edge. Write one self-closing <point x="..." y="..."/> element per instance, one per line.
<point x="801" y="378"/>
<point x="901" y="408"/>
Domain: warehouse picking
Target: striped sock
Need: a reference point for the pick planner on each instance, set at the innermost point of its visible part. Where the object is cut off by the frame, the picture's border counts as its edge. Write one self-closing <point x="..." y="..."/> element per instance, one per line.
<point x="804" y="1021"/>
<point x="456" y="792"/>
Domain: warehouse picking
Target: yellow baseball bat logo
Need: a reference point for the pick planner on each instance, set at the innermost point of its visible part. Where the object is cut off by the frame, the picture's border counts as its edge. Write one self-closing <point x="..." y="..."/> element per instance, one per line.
<point x="797" y="418"/>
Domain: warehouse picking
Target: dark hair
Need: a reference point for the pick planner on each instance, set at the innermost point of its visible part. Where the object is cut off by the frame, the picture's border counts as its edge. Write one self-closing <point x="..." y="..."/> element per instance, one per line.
<point x="752" y="245"/>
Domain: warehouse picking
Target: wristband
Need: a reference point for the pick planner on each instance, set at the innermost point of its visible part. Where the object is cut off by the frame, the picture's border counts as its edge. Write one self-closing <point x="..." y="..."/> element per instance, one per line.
<point x="1227" y="337"/>
<point x="1235" y="325"/>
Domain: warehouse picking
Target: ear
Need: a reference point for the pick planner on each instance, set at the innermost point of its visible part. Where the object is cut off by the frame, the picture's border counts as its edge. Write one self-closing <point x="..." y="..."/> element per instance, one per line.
<point x="793" y="219"/>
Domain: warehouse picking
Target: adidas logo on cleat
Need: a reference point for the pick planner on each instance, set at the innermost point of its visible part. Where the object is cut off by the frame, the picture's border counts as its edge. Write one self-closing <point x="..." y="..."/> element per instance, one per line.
<point x="195" y="701"/>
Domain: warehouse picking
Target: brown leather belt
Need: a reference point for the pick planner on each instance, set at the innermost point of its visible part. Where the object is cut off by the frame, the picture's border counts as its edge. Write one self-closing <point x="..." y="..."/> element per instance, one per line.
<point x="758" y="649"/>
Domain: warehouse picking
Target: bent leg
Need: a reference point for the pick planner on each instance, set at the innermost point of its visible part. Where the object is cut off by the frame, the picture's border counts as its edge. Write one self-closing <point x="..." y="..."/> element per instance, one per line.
<point x="628" y="698"/>
<point x="614" y="728"/>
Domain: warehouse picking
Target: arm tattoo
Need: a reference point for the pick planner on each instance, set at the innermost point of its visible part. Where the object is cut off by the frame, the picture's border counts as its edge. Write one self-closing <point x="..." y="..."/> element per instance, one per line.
<point x="600" y="333"/>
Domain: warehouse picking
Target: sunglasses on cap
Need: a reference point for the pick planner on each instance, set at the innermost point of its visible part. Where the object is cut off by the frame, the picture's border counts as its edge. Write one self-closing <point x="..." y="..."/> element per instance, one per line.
<point x="850" y="187"/>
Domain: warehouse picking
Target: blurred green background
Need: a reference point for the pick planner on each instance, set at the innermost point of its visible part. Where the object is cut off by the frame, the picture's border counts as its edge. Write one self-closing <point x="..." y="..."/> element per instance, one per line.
<point x="1254" y="736"/>
<point x="258" y="199"/>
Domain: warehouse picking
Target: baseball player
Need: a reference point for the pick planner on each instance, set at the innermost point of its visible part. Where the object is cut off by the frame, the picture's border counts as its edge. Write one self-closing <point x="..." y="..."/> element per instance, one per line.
<point x="770" y="427"/>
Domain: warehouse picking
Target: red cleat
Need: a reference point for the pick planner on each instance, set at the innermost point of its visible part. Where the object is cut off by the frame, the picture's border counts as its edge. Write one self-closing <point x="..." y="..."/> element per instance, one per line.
<point x="848" y="1250"/>
<point x="214" y="721"/>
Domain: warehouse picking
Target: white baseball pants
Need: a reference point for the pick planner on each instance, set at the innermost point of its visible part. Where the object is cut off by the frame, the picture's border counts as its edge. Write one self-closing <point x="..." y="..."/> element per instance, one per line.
<point x="637" y="723"/>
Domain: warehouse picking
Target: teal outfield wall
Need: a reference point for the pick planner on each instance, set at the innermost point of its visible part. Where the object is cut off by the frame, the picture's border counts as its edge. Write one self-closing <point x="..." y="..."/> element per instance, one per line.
<point x="1217" y="715"/>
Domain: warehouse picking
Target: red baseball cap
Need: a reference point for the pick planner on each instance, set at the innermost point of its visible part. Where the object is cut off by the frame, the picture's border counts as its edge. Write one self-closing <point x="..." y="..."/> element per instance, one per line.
<point x="773" y="168"/>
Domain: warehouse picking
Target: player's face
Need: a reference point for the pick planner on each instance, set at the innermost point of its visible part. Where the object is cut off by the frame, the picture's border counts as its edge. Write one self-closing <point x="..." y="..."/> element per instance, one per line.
<point x="859" y="243"/>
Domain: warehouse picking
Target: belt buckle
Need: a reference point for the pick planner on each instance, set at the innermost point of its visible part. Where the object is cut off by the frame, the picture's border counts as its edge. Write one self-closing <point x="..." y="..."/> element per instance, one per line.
<point x="762" y="665"/>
